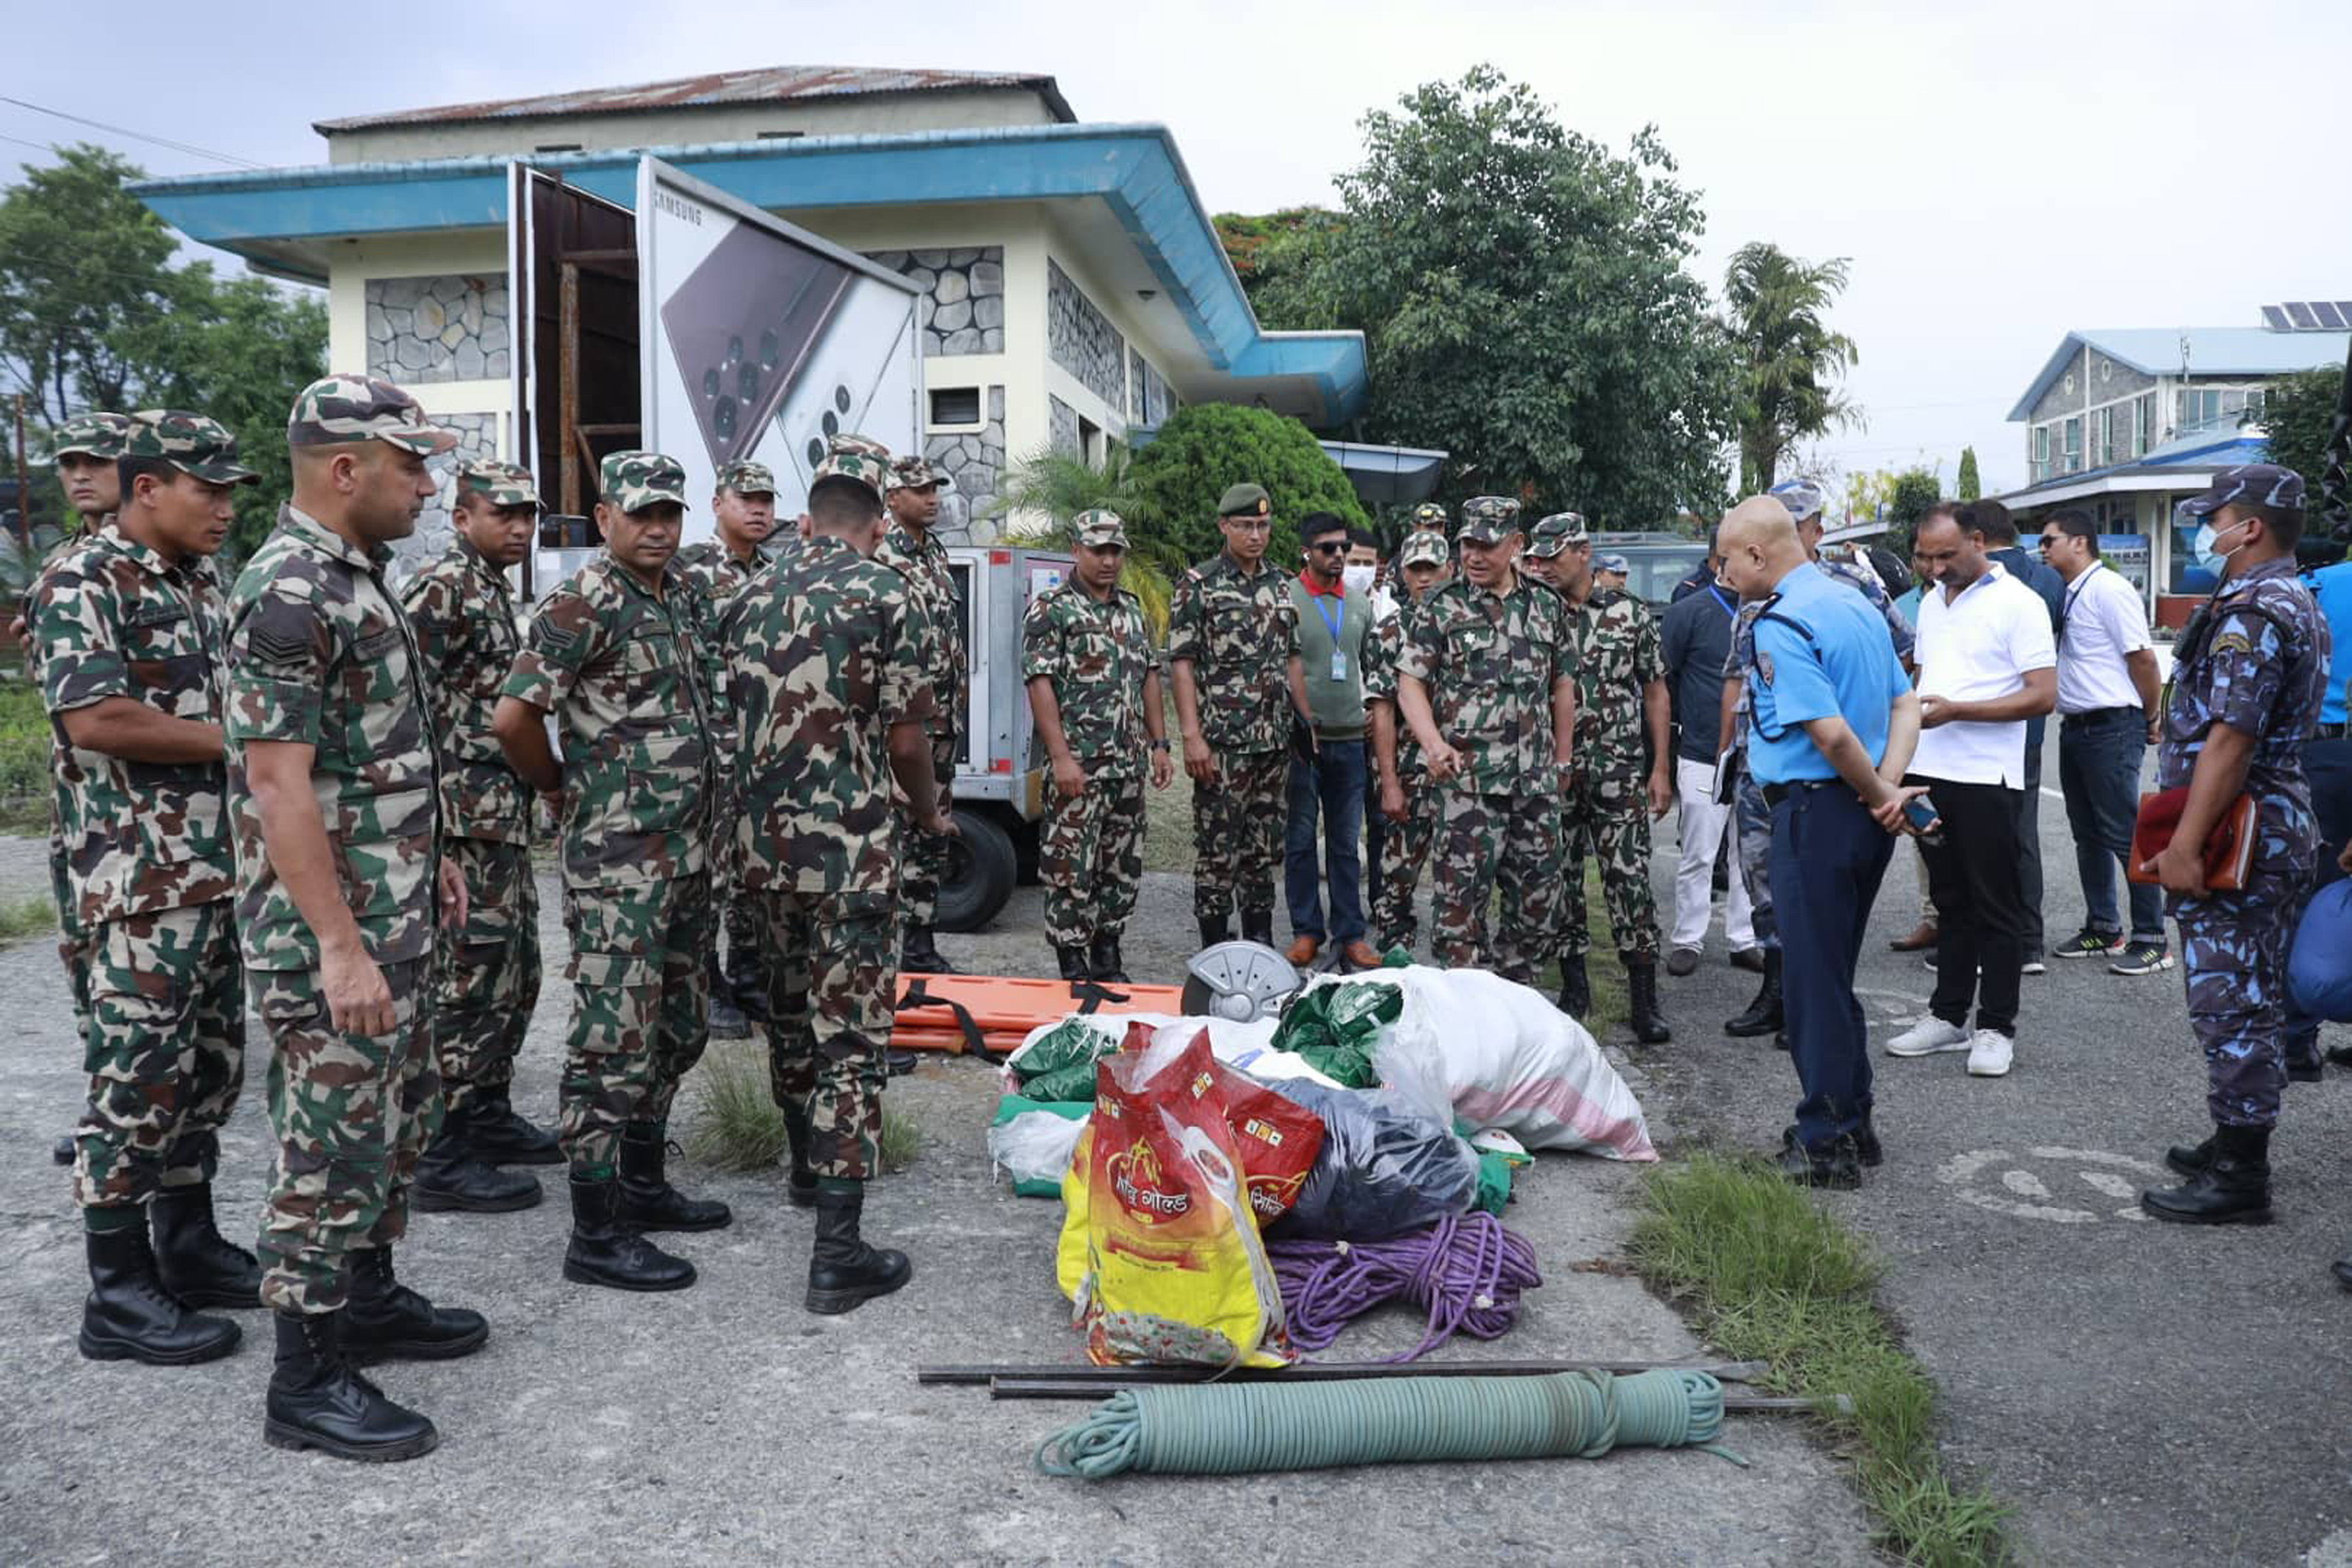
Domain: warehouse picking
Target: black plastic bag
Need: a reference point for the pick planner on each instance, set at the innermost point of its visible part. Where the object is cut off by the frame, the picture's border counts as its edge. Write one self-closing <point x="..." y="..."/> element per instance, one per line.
<point x="1382" y="1171"/>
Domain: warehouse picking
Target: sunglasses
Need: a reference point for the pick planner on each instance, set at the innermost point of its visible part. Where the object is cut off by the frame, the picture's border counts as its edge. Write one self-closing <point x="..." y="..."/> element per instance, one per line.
<point x="1329" y="547"/>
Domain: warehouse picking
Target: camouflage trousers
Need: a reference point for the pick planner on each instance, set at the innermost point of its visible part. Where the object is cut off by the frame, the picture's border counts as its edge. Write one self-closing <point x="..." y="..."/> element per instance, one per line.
<point x="1752" y="819"/>
<point x="1404" y="849"/>
<point x="1487" y="842"/>
<point x="740" y="906"/>
<point x="923" y="862"/>
<point x="165" y="1052"/>
<point x="831" y="980"/>
<point x="2233" y="949"/>
<point x="1610" y="817"/>
<point x="1091" y="857"/>
<point x="73" y="936"/>
<point x="1237" y="825"/>
<point x="352" y="1113"/>
<point x="641" y="1008"/>
<point x="485" y="983"/>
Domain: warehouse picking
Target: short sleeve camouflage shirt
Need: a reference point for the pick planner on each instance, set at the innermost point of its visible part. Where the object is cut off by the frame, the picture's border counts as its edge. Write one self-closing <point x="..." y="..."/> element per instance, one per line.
<point x="1096" y="655"/>
<point x="463" y="617"/>
<point x="1380" y="652"/>
<point x="1490" y="662"/>
<point x="2256" y="658"/>
<point x="1615" y="640"/>
<point x="947" y="663"/>
<point x="1240" y="631"/>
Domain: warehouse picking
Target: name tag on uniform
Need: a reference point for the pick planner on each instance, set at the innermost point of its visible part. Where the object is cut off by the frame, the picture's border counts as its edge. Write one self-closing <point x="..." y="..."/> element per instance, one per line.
<point x="1339" y="664"/>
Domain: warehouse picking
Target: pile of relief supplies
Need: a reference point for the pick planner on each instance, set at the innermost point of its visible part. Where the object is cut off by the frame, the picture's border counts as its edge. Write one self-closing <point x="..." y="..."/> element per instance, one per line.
<point x="1395" y="1103"/>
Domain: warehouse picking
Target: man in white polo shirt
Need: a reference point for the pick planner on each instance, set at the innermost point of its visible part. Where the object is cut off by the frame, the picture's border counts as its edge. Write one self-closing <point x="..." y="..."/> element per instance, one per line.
<point x="1986" y="664"/>
<point x="2108" y="703"/>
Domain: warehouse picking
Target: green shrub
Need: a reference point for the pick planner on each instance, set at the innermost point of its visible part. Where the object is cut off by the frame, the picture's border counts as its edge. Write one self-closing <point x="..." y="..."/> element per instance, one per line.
<point x="1204" y="448"/>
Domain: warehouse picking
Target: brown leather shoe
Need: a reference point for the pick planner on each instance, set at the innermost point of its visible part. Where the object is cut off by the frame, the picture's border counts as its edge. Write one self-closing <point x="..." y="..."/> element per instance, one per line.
<point x="1360" y="954"/>
<point x="1302" y="952"/>
<point x="1923" y="935"/>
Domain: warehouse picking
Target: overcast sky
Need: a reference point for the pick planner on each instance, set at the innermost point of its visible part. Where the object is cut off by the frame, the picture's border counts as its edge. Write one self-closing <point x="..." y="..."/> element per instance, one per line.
<point x="1997" y="173"/>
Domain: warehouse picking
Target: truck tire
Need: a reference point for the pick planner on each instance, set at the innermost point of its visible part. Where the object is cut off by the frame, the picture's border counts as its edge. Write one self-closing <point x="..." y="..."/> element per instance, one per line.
<point x="982" y="869"/>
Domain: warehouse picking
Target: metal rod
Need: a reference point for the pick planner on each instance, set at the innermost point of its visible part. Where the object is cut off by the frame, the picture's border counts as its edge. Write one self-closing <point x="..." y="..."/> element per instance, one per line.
<point x="1325" y="1372"/>
<point x="1050" y="1388"/>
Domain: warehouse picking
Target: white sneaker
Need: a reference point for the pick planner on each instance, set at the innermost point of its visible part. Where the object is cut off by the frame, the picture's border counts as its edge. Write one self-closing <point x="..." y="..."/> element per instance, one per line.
<point x="1929" y="1036"/>
<point x="1990" y="1053"/>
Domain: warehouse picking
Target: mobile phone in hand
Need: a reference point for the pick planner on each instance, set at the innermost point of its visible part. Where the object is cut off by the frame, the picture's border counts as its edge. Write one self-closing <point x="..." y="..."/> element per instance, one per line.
<point x="1923" y="817"/>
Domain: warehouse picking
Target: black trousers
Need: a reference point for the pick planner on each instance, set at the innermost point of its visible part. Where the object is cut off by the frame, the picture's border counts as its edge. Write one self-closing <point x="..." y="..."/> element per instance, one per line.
<point x="1972" y="876"/>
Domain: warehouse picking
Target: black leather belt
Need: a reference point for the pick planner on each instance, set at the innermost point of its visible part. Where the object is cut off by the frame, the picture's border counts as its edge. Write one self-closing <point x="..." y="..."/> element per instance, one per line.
<point x="1774" y="793"/>
<point x="2093" y="715"/>
<point x="2331" y="732"/>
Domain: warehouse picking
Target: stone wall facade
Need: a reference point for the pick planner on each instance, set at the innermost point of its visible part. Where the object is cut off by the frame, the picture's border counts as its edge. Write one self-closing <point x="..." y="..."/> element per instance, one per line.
<point x="975" y="460"/>
<point x="1081" y="340"/>
<point x="1061" y="426"/>
<point x="446" y="328"/>
<point x="478" y="437"/>
<point x="1149" y="399"/>
<point x="962" y="298"/>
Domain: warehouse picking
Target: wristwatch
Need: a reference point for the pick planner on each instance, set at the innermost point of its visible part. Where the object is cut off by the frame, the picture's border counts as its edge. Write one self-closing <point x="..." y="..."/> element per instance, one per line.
<point x="1158" y="745"/>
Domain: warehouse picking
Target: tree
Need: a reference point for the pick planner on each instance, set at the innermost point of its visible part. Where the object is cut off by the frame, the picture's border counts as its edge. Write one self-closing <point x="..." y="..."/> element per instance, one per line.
<point x="2298" y="413"/>
<point x="1524" y="304"/>
<point x="1274" y="254"/>
<point x="1205" y="448"/>
<point x="1915" y="490"/>
<point x="1790" y="361"/>
<point x="1968" y="487"/>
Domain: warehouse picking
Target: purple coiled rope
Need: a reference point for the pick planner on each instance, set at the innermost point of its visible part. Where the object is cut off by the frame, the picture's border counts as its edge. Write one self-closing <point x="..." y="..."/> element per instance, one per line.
<point x="1468" y="1270"/>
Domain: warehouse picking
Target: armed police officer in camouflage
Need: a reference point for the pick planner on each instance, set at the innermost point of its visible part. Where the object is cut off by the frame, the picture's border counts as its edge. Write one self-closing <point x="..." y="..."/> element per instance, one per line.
<point x="1094" y="692"/>
<point x="129" y="620"/>
<point x="833" y="702"/>
<point x="486" y="976"/>
<point x="615" y="653"/>
<point x="1406" y="796"/>
<point x="743" y="519"/>
<point x="1486" y="681"/>
<point x="1241" y="699"/>
<point x="916" y="553"/>
<point x="334" y="795"/>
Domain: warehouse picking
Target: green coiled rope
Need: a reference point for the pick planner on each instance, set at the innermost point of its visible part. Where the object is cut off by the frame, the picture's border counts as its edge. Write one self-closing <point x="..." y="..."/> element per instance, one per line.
<point x="1235" y="1429"/>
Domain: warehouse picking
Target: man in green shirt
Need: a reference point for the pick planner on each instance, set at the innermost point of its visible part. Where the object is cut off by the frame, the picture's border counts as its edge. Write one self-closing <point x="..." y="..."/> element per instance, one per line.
<point x="1333" y="627"/>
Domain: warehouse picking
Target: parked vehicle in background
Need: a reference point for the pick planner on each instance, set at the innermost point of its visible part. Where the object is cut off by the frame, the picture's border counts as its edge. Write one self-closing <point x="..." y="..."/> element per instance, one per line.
<point x="1657" y="560"/>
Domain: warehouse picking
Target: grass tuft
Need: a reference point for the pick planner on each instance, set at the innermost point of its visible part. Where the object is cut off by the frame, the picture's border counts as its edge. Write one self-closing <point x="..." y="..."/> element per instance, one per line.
<point x="1770" y="1276"/>
<point x="26" y="918"/>
<point x="737" y="1126"/>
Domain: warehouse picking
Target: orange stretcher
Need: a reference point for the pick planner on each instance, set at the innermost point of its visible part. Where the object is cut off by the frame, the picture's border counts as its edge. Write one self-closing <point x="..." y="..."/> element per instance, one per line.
<point x="990" y="1015"/>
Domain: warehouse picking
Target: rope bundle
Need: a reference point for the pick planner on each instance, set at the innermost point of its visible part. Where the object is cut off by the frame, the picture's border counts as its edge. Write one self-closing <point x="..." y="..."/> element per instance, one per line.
<point x="1467" y="1270"/>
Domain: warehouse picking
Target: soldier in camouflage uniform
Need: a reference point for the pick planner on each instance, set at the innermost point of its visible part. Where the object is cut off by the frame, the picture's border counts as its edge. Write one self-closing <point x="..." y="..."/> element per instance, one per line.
<point x="832" y="698"/>
<point x="743" y="519"/>
<point x="1619" y="781"/>
<point x="130" y="622"/>
<point x="1407" y="798"/>
<point x="1241" y="699"/>
<point x="334" y="795"/>
<point x="616" y="654"/>
<point x="1094" y="690"/>
<point x="485" y="979"/>
<point x="916" y="552"/>
<point x="2250" y="672"/>
<point x="87" y="446"/>
<point x="1486" y="681"/>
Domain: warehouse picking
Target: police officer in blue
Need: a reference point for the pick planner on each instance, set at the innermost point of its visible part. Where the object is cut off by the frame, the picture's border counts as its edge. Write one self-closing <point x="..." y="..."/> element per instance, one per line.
<point x="2247" y="677"/>
<point x="1833" y="722"/>
<point x="2328" y="761"/>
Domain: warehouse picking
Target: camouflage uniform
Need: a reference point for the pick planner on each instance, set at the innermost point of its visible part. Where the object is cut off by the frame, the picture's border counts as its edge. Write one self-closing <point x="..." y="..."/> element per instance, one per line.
<point x="2255" y="657"/>
<point x="1098" y="657"/>
<point x="320" y="655"/>
<point x="624" y="671"/>
<point x="1240" y="631"/>
<point x="924" y="564"/>
<point x="1404" y="847"/>
<point x="1614" y="641"/>
<point x="150" y="871"/>
<point x="1489" y="662"/>
<point x="827" y="655"/>
<point x="486" y="982"/>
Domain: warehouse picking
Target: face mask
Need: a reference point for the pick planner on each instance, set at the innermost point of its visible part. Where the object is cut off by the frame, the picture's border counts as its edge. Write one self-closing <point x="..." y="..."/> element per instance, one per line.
<point x="2217" y="562"/>
<point x="1357" y="578"/>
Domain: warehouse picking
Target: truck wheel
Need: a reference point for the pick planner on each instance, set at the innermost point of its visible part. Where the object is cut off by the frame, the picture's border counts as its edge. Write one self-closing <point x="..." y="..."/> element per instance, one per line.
<point x="980" y="871"/>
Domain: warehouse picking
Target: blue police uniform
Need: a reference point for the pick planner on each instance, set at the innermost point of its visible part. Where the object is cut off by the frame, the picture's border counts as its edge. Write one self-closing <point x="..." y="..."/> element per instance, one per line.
<point x="1819" y="650"/>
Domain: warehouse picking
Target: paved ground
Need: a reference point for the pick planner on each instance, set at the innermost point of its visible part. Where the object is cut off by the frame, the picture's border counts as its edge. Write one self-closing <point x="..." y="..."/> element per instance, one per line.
<point x="2145" y="1393"/>
<point x="724" y="1423"/>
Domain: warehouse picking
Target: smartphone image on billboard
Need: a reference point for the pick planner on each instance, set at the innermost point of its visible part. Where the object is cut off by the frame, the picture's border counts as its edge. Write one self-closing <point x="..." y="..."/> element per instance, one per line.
<point x="743" y="330"/>
<point x="857" y="366"/>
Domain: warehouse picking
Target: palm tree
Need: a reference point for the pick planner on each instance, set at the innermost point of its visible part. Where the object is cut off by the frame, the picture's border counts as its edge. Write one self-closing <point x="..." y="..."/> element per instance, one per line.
<point x="1052" y="488"/>
<point x="1791" y="361"/>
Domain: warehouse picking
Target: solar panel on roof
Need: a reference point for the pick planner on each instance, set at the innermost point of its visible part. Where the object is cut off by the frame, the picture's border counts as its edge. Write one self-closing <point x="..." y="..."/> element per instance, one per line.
<point x="2275" y="319"/>
<point x="2300" y="313"/>
<point x="2326" y="313"/>
<point x="2344" y="309"/>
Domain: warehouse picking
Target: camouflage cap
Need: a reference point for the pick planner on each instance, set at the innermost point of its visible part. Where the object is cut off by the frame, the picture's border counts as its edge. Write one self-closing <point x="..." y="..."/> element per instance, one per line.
<point x="93" y="435"/>
<point x="1244" y="500"/>
<point x="636" y="480"/>
<point x="1556" y="533"/>
<point x="335" y="409"/>
<point x="189" y="442"/>
<point x="748" y="478"/>
<point x="1486" y="519"/>
<point x="1429" y="515"/>
<point x="501" y="484"/>
<point x="1801" y="496"/>
<point x="1613" y="561"/>
<point x="1100" y="528"/>
<point x="862" y="467"/>
<point x="848" y="442"/>
<point x="914" y="474"/>
<point x="2249" y="484"/>
<point x="1422" y="548"/>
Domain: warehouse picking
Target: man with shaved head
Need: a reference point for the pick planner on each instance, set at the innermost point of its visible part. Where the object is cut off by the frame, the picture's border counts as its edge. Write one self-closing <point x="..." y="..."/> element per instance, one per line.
<point x="1833" y="724"/>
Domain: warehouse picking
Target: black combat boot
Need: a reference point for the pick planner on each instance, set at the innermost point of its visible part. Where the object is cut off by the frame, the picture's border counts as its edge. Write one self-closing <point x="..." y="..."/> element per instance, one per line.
<point x="62" y="1151"/>
<point x="1575" y="986"/>
<point x="2234" y="1187"/>
<point x="802" y="1188"/>
<point x="1104" y="963"/>
<point x="386" y="1321"/>
<point x="192" y="1260"/>
<point x="502" y="1135"/>
<point x="1257" y="926"/>
<point x="607" y="1251"/>
<point x="647" y="1200"/>
<point x="727" y="1020"/>
<point x="452" y="1174"/>
<point x="317" y="1401"/>
<point x="919" y="952"/>
<point x="2190" y="1159"/>
<point x="1763" y="1015"/>
<point x="1831" y="1165"/>
<point x="130" y="1316"/>
<point x="1648" y="1023"/>
<point x="1213" y="931"/>
<point x="1072" y="963"/>
<point x="843" y="1271"/>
